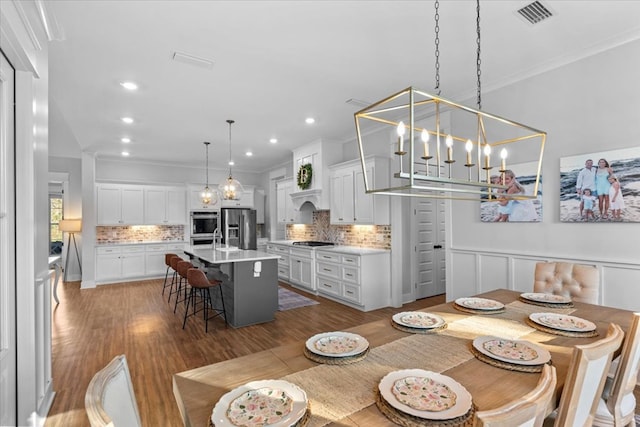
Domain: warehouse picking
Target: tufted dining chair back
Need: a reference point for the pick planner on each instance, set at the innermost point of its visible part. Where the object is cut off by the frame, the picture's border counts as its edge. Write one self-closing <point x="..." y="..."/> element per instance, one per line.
<point x="578" y="281"/>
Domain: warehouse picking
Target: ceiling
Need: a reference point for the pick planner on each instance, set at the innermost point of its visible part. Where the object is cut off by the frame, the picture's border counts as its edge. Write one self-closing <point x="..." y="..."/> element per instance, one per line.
<point x="277" y="62"/>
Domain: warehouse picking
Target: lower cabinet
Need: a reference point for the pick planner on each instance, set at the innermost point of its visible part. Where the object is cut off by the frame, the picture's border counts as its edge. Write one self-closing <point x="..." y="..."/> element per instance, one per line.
<point x="360" y="281"/>
<point x="283" y="261"/>
<point x="301" y="271"/>
<point x="125" y="262"/>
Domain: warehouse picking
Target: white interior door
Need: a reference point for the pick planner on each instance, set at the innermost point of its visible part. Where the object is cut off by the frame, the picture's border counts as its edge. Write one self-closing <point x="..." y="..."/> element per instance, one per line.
<point x="7" y="247"/>
<point x="428" y="269"/>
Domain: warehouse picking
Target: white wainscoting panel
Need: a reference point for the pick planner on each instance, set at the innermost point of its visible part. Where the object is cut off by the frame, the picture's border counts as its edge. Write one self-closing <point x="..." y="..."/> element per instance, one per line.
<point x="494" y="272"/>
<point x="523" y="273"/>
<point x="620" y="287"/>
<point x="462" y="275"/>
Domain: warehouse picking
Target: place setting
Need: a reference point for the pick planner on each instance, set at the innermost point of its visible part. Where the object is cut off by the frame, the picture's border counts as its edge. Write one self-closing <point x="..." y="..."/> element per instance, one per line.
<point x="418" y="322"/>
<point x="562" y="324"/>
<point x="417" y="397"/>
<point x="546" y="300"/>
<point x="336" y="348"/>
<point x="259" y="403"/>
<point x="477" y="305"/>
<point x="513" y="355"/>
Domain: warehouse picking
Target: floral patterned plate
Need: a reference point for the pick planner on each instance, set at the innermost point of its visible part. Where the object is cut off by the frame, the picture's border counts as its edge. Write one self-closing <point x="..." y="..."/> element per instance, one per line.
<point x="418" y="319"/>
<point x="475" y="303"/>
<point x="511" y="351"/>
<point x="261" y="403"/>
<point x="337" y="344"/>
<point x="563" y="322"/>
<point x="546" y="298"/>
<point x="425" y="394"/>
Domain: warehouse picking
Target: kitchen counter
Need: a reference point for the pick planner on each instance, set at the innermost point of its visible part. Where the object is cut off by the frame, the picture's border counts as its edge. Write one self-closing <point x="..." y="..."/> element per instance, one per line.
<point x="350" y="250"/>
<point x="249" y="282"/>
<point x="157" y="242"/>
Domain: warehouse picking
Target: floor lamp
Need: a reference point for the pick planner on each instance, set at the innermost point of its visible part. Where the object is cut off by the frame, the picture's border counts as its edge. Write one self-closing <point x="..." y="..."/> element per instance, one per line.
<point x="71" y="227"/>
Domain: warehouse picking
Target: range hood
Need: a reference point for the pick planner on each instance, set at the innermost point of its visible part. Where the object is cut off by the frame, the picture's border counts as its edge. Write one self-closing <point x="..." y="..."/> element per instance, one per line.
<point x="320" y="154"/>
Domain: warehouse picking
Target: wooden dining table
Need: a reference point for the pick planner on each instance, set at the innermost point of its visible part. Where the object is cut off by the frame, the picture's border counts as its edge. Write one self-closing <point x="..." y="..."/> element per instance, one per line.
<point x="196" y="391"/>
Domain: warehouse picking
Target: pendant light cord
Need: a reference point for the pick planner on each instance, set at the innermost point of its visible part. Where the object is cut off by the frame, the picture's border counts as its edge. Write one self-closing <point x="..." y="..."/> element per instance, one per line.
<point x="437" y="50"/>
<point x="230" y="123"/>
<point x="206" y="144"/>
<point x="478" y="62"/>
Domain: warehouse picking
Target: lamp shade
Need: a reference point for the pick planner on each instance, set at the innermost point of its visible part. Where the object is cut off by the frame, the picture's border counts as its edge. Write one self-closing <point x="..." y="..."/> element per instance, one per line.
<point x="70" y="225"/>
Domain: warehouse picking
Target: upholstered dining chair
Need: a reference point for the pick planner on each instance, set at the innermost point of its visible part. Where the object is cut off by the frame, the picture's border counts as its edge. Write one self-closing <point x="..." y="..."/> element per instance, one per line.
<point x="528" y="411"/>
<point x="585" y="380"/>
<point x="578" y="281"/>
<point x="201" y="284"/>
<point x="110" y="400"/>
<point x="617" y="405"/>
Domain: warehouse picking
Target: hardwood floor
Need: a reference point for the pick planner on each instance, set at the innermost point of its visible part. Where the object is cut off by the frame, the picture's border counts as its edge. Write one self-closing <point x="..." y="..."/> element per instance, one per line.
<point x="91" y="326"/>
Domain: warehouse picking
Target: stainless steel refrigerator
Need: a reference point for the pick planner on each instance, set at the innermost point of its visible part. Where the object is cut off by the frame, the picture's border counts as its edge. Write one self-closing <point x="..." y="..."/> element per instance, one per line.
<point x="239" y="227"/>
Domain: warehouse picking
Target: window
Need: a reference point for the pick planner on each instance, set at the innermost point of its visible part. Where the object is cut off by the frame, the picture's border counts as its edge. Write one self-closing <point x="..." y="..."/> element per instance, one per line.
<point x="55" y="215"/>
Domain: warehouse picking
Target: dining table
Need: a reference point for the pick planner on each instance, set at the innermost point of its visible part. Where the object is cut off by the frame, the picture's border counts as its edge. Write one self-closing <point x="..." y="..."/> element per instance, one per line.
<point x="345" y="395"/>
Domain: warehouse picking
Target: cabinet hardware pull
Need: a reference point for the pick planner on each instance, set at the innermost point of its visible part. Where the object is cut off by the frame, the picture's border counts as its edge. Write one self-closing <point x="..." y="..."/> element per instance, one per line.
<point x="349" y="292"/>
<point x="326" y="269"/>
<point x="350" y="275"/>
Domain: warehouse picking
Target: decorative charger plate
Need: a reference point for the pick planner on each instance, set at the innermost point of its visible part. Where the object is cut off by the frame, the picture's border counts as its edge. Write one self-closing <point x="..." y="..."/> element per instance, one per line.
<point x="425" y="394"/>
<point x="563" y="322"/>
<point x="512" y="351"/>
<point x="475" y="303"/>
<point x="337" y="344"/>
<point x="546" y="298"/>
<point x="418" y="319"/>
<point x="258" y="403"/>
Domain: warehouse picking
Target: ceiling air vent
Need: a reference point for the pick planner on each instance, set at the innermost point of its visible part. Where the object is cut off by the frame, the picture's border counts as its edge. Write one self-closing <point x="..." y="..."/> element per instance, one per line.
<point x="535" y="12"/>
<point x="187" y="58"/>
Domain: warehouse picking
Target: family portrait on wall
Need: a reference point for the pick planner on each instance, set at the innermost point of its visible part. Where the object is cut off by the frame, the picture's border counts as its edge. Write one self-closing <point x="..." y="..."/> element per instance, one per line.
<point x="520" y="179"/>
<point x="603" y="186"/>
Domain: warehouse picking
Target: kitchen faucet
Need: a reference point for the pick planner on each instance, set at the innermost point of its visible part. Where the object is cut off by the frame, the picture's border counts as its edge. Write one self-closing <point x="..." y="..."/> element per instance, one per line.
<point x="217" y="234"/>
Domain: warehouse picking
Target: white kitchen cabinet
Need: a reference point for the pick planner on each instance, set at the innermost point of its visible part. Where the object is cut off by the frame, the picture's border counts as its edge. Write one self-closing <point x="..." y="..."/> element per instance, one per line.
<point x="350" y="204"/>
<point x="246" y="200"/>
<point x="108" y="264"/>
<point x="120" y="204"/>
<point x="195" y="199"/>
<point x="132" y="259"/>
<point x="164" y="206"/>
<point x="154" y="260"/>
<point x="358" y="280"/>
<point x="286" y="213"/>
<point x="119" y="263"/>
<point x="301" y="268"/>
<point x="283" y="261"/>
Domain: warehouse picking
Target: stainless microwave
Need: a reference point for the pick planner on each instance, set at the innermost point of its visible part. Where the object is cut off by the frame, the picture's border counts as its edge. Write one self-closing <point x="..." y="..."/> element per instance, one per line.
<point x="203" y="223"/>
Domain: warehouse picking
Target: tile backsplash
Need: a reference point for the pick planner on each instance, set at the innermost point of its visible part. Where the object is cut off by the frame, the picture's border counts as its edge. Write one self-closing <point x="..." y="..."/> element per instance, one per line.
<point x="139" y="233"/>
<point x="368" y="236"/>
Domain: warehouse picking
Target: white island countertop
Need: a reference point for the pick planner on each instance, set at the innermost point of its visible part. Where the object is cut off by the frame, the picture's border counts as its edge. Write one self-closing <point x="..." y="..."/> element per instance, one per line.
<point x="224" y="257"/>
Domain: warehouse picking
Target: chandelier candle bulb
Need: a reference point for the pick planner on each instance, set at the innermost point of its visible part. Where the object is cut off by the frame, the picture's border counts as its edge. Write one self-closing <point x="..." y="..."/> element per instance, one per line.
<point x="449" y="142"/>
<point x="503" y="162"/>
<point x="400" y="131"/>
<point x="487" y="154"/>
<point x="469" y="148"/>
<point x="425" y="141"/>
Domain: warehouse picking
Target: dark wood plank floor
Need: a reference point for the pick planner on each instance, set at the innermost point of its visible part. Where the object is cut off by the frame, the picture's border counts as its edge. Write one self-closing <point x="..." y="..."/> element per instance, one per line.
<point x="91" y="326"/>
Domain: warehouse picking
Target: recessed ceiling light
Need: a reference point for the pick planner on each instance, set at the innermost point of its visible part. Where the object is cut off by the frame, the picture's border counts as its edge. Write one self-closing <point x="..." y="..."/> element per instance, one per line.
<point x="126" y="140"/>
<point x="127" y="120"/>
<point x="310" y="120"/>
<point x="129" y="85"/>
<point x="125" y="153"/>
<point x="231" y="163"/>
<point x="249" y="153"/>
<point x="273" y="140"/>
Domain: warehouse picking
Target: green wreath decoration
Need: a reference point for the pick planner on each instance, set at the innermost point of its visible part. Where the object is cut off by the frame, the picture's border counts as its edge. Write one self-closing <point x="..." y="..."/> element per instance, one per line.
<point x="304" y="176"/>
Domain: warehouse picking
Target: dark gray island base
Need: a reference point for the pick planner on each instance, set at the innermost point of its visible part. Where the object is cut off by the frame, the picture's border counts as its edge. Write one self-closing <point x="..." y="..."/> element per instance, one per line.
<point x="249" y="283"/>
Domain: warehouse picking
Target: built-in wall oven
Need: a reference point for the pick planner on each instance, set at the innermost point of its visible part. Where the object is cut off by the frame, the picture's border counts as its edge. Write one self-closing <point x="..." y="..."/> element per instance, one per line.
<point x="203" y="224"/>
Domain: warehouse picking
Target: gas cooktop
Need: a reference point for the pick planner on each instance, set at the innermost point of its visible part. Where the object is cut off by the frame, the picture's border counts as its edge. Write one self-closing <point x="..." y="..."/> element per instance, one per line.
<point x="312" y="243"/>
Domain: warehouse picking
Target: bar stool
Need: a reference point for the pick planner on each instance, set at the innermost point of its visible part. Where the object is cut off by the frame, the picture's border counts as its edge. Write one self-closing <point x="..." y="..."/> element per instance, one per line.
<point x="201" y="284"/>
<point x="167" y="262"/>
<point x="183" y="267"/>
<point x="173" y="288"/>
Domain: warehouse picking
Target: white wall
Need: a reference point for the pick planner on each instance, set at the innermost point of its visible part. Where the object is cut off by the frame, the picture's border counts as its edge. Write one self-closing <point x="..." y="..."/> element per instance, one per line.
<point x="589" y="106"/>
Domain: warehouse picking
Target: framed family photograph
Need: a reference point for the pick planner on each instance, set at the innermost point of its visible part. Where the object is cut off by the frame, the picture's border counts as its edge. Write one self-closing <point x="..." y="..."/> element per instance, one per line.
<point x="601" y="187"/>
<point x="521" y="179"/>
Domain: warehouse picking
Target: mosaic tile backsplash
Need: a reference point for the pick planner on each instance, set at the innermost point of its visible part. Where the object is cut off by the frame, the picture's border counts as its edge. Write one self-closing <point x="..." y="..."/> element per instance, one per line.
<point x="139" y="234"/>
<point x="367" y="236"/>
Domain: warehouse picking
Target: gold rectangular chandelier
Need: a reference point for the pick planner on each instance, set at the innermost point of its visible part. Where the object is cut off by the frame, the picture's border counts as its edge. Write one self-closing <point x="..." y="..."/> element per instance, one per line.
<point x="442" y="149"/>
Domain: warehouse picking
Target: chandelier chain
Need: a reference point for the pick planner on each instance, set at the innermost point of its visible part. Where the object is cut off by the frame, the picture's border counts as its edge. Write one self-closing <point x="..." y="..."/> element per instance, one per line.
<point x="437" y="50"/>
<point x="478" y="61"/>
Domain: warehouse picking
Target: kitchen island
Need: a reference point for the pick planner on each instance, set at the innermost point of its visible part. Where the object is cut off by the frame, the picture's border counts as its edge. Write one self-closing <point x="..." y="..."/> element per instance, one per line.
<point x="249" y="282"/>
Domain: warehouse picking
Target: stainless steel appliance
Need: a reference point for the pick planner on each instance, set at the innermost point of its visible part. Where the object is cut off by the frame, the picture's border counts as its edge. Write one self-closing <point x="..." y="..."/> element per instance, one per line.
<point x="239" y="227"/>
<point x="203" y="224"/>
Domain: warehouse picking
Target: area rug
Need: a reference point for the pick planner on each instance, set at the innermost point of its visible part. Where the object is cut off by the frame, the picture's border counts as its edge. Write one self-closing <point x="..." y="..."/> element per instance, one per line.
<point x="288" y="300"/>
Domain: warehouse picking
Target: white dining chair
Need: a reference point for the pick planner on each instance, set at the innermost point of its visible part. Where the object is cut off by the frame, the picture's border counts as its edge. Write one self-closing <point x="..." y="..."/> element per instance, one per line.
<point x="585" y="381"/>
<point x="617" y="405"/>
<point x="110" y="400"/>
<point x="578" y="281"/>
<point x="528" y="411"/>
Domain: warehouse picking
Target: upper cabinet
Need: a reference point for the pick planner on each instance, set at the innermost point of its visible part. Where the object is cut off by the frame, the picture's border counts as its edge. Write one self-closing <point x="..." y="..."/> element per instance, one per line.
<point x="319" y="155"/>
<point x="246" y="200"/>
<point x="123" y="204"/>
<point x="165" y="206"/>
<point x="284" y="205"/>
<point x="350" y="204"/>
<point x="120" y="204"/>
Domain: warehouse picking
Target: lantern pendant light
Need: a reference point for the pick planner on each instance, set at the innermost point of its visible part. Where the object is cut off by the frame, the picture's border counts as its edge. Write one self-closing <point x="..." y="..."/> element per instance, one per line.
<point x="207" y="196"/>
<point x="230" y="188"/>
